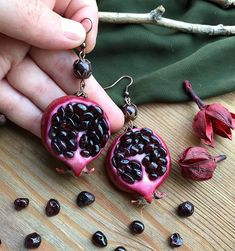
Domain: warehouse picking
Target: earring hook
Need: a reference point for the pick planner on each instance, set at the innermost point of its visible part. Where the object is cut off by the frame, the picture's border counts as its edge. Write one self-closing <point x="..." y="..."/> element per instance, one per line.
<point x="121" y="78"/>
<point x="87" y="18"/>
<point x="129" y="109"/>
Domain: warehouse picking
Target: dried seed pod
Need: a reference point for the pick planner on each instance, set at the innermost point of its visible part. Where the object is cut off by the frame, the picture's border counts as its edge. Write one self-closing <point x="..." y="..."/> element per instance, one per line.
<point x="197" y="164"/>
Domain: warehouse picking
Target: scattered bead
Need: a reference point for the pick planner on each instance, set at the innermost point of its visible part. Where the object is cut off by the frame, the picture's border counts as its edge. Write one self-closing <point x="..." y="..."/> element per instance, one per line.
<point x="21" y="203"/>
<point x="176" y="240"/>
<point x="99" y="239"/>
<point x="185" y="209"/>
<point x="52" y="207"/>
<point x="85" y="199"/>
<point x="137" y="227"/>
<point x="120" y="249"/>
<point x="32" y="241"/>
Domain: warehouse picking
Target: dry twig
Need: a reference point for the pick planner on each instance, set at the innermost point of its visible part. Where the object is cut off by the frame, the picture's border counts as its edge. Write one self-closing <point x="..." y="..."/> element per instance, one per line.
<point x="155" y="17"/>
<point x="224" y="3"/>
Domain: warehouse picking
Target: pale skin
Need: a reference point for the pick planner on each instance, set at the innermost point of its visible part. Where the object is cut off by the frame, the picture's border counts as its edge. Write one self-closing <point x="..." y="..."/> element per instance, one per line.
<point x="36" y="38"/>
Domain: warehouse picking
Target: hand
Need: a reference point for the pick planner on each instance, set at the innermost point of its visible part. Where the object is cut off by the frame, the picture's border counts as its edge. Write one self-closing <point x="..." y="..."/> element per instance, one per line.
<point x="35" y="63"/>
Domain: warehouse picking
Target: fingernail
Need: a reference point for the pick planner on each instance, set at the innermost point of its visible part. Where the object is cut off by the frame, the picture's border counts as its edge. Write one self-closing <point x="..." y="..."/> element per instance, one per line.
<point x="73" y="30"/>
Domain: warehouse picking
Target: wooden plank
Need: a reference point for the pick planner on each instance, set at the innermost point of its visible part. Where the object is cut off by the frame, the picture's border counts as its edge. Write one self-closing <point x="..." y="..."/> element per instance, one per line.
<point x="28" y="170"/>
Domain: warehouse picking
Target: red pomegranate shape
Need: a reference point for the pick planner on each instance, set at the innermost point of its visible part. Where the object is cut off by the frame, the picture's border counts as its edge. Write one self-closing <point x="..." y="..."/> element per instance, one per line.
<point x="138" y="162"/>
<point x="75" y="130"/>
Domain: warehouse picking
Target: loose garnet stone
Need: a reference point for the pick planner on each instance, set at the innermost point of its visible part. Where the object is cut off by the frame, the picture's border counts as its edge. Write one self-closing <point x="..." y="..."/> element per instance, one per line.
<point x="52" y="207"/>
<point x="32" y="241"/>
<point x="176" y="240"/>
<point x="21" y="203"/>
<point x="99" y="239"/>
<point x="85" y="199"/>
<point x="137" y="227"/>
<point x="120" y="249"/>
<point x="185" y="209"/>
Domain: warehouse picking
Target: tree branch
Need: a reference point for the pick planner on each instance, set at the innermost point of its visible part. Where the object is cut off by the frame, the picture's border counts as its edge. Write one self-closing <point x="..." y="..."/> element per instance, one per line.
<point x="224" y="3"/>
<point x="155" y="17"/>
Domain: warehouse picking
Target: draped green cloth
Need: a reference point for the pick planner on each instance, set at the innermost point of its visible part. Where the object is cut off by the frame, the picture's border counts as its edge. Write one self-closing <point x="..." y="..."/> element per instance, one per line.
<point x="160" y="59"/>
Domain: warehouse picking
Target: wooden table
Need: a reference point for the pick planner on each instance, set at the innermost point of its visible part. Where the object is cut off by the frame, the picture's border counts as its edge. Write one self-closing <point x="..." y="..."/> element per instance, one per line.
<point x="27" y="170"/>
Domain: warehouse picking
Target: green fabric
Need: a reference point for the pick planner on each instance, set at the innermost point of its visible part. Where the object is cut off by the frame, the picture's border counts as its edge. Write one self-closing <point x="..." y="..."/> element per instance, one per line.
<point x="159" y="59"/>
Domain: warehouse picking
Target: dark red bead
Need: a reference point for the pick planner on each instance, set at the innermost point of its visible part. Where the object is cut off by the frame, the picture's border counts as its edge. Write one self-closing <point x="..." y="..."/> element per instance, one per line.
<point x="52" y="207"/>
<point x="32" y="241"/>
<point x="185" y="209"/>
<point x="176" y="240"/>
<point x="137" y="227"/>
<point x="130" y="112"/>
<point x="21" y="203"/>
<point x="82" y="68"/>
<point x="99" y="239"/>
<point x="120" y="249"/>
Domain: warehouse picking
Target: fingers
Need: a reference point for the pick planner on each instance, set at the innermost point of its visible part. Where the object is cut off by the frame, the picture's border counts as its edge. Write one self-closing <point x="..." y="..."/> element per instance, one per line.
<point x="35" y="23"/>
<point x="85" y="12"/>
<point x="27" y="78"/>
<point x="58" y="65"/>
<point x="11" y="52"/>
<point x="19" y="109"/>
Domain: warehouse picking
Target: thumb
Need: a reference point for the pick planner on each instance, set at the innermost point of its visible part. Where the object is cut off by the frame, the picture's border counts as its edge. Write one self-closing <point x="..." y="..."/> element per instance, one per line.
<point x="34" y="23"/>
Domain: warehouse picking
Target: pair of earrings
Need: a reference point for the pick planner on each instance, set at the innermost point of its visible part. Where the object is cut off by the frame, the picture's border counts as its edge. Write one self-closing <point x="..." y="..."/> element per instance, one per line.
<point x="75" y="130"/>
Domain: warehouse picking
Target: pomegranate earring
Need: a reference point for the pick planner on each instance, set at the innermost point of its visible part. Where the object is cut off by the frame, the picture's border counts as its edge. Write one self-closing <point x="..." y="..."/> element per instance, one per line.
<point x="74" y="128"/>
<point x="138" y="161"/>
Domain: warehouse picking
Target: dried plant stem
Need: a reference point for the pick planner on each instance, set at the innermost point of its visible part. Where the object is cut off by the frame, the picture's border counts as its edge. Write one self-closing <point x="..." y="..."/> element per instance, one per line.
<point x="220" y="158"/>
<point x="224" y="3"/>
<point x="155" y="17"/>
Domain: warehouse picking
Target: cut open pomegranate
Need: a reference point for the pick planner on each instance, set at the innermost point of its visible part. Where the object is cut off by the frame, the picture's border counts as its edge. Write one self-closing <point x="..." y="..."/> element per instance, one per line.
<point x="138" y="162"/>
<point x="75" y="130"/>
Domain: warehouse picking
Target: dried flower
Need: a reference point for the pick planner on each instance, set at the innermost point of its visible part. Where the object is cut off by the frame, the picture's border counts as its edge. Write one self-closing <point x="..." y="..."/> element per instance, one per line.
<point x="213" y="118"/>
<point x="197" y="164"/>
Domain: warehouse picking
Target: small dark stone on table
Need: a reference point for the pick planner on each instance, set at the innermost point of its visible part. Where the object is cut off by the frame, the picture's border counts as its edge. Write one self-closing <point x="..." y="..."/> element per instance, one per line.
<point x="137" y="227"/>
<point x="85" y="199"/>
<point x="99" y="239"/>
<point x="120" y="249"/>
<point x="185" y="209"/>
<point x="32" y="241"/>
<point x="52" y="207"/>
<point x="176" y="240"/>
<point x="21" y="203"/>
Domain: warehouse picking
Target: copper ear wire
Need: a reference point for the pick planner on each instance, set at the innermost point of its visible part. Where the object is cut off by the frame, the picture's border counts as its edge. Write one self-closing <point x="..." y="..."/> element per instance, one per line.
<point x="87" y="18"/>
<point x="129" y="109"/>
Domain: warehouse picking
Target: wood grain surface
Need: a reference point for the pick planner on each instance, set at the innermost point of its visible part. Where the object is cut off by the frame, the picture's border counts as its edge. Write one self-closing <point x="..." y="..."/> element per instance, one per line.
<point x="27" y="170"/>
